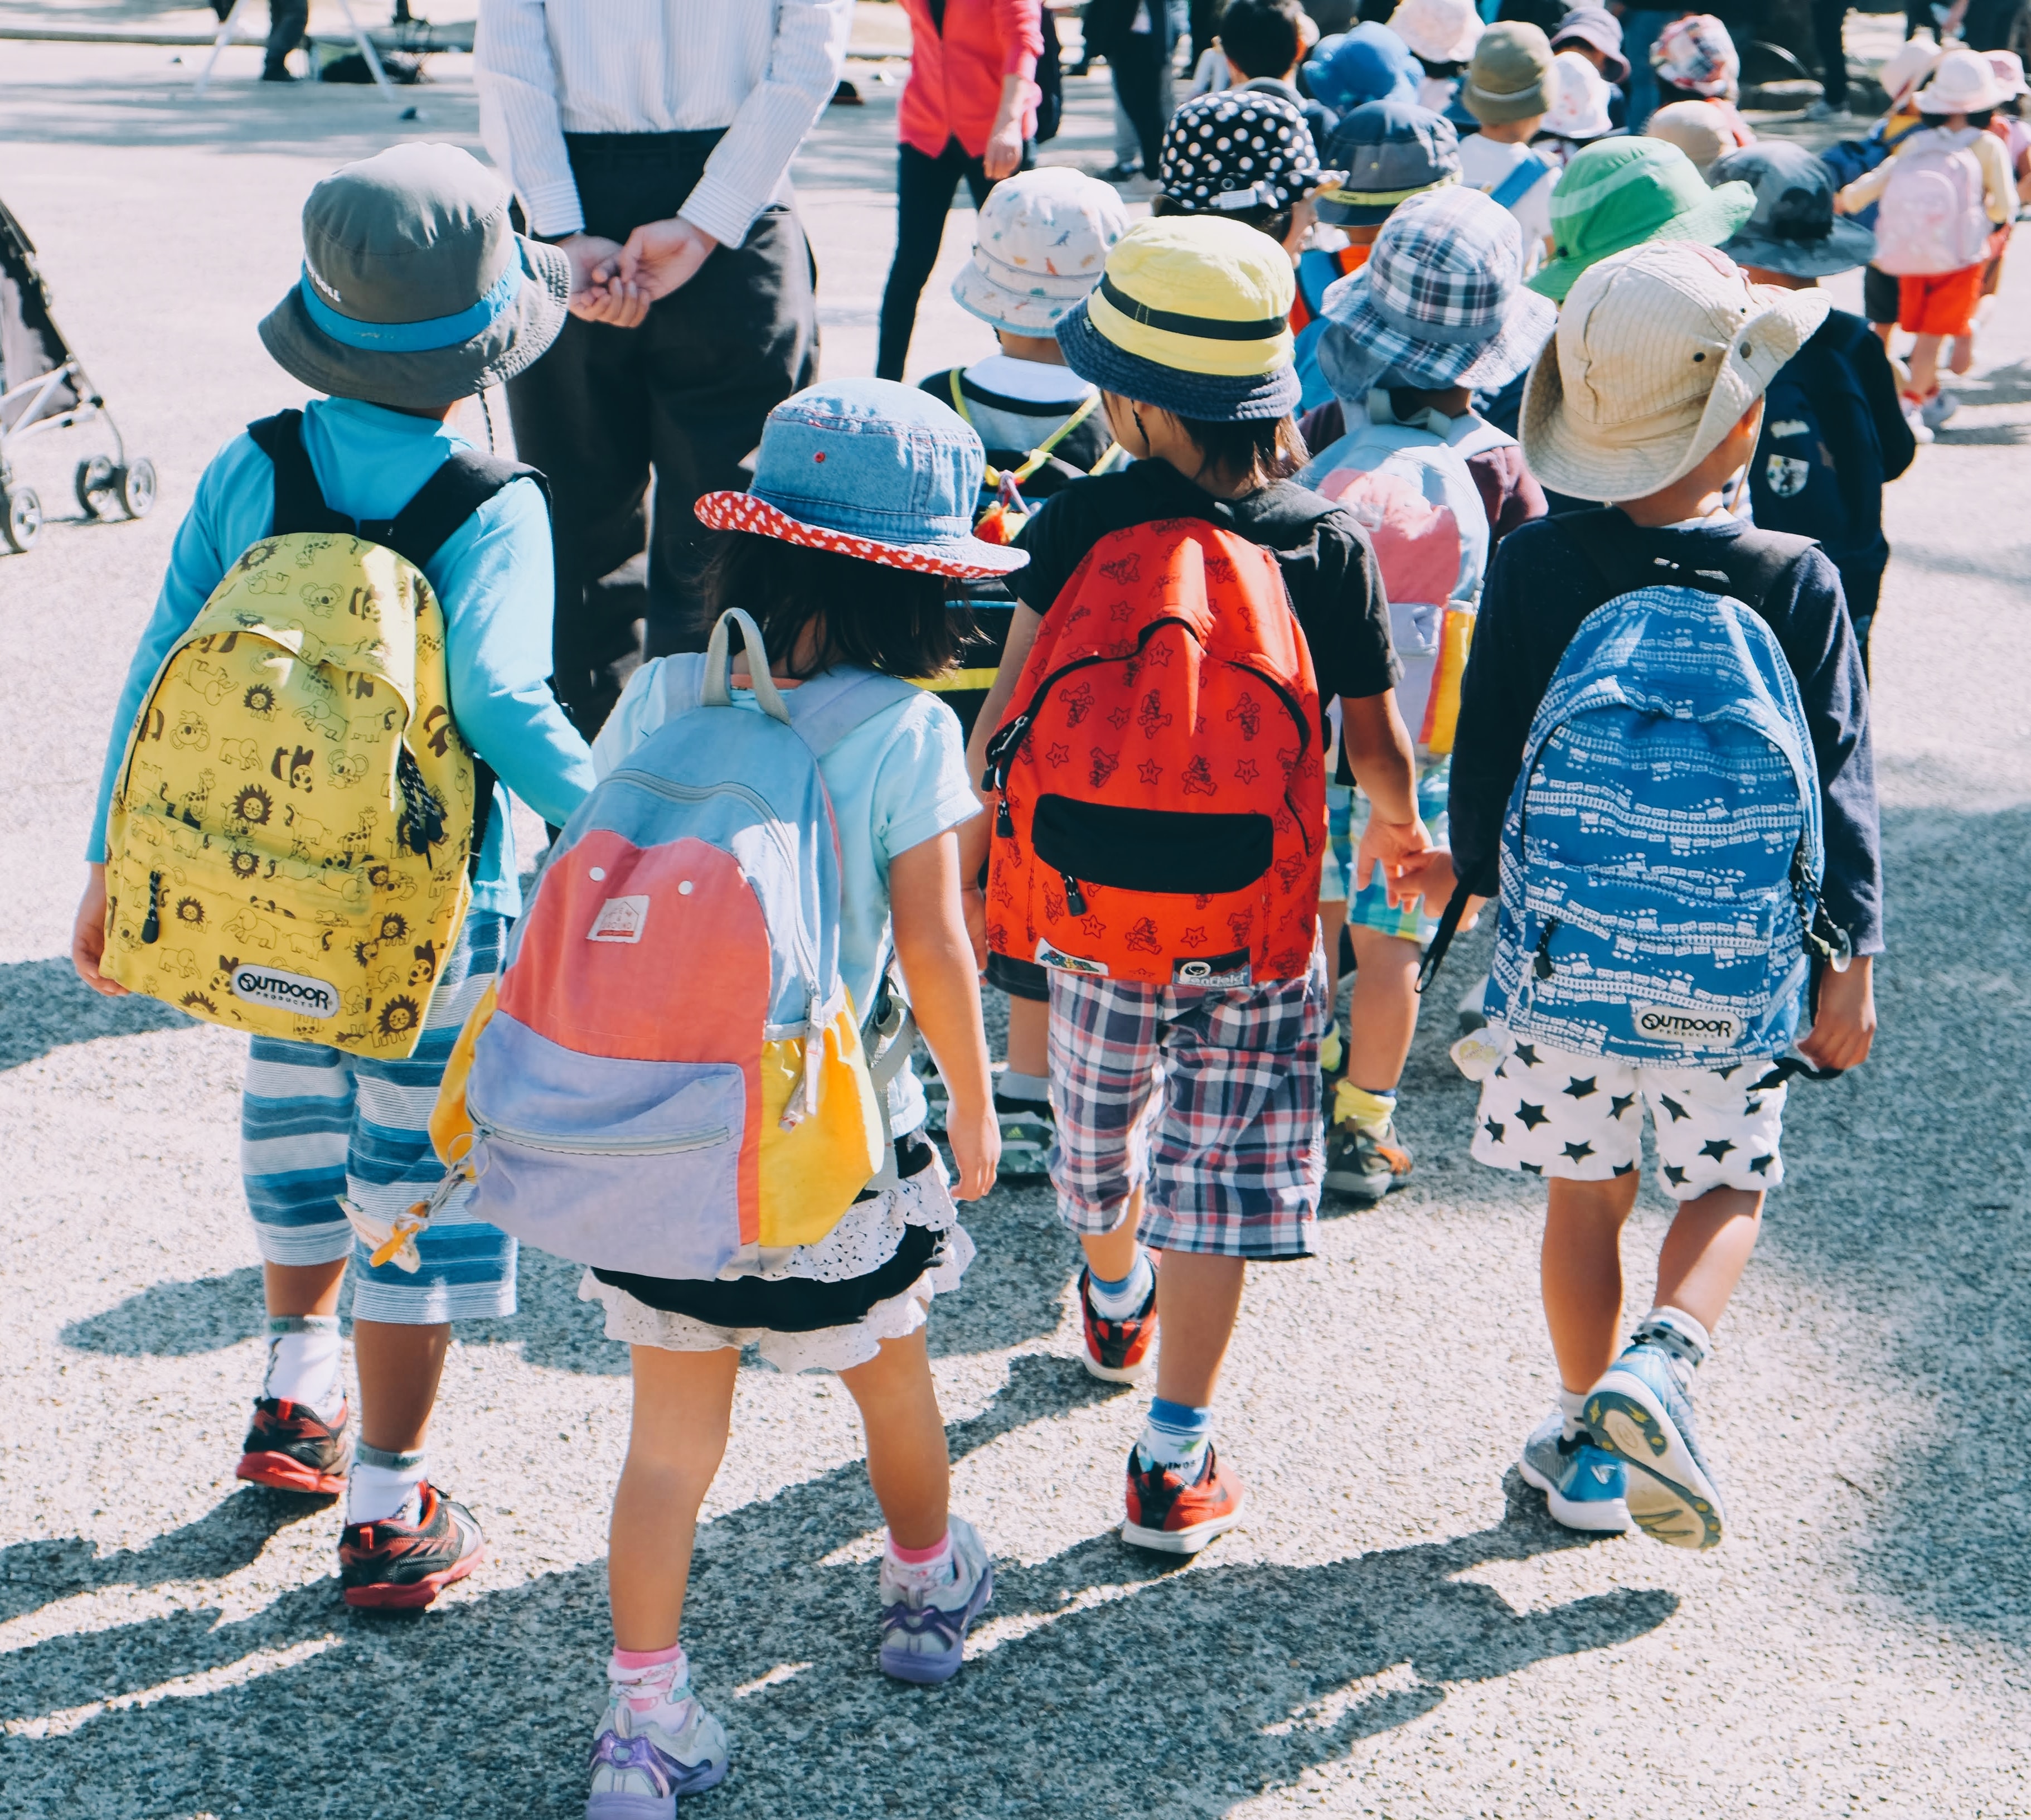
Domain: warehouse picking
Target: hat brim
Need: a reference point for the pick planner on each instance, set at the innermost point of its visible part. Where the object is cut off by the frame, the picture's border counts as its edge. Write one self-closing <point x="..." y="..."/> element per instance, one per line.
<point x="1567" y="456"/>
<point x="961" y="558"/>
<point x="1019" y="312"/>
<point x="1369" y="346"/>
<point x="1717" y="216"/>
<point x="510" y="344"/>
<point x="1848" y="244"/>
<point x="1209" y="398"/>
<point x="1520" y="106"/>
<point x="1995" y="94"/>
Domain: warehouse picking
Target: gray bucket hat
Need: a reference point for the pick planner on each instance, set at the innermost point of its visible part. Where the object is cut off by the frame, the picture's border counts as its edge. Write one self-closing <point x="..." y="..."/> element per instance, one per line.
<point x="1794" y="230"/>
<point x="416" y="289"/>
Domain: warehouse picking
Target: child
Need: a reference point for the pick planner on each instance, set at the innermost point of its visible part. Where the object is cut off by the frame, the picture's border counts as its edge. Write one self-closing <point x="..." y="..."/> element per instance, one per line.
<point x="2007" y="125"/>
<point x="1696" y="129"/>
<point x="1595" y="33"/>
<point x="1368" y="63"/>
<point x="840" y="550"/>
<point x="1263" y="41"/>
<point x="1188" y="1117"/>
<point x="1439" y="309"/>
<point x="418" y="232"/>
<point x="1509" y="90"/>
<point x="1939" y="259"/>
<point x="1579" y="113"/>
<point x="1043" y="238"/>
<point x="1832" y="431"/>
<point x="1695" y="60"/>
<point x="1441" y="35"/>
<point x="1617" y="407"/>
<point x="1901" y="76"/>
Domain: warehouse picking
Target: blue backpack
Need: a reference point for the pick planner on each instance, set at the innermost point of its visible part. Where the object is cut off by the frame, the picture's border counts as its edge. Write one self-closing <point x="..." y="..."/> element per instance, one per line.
<point x="1662" y="853"/>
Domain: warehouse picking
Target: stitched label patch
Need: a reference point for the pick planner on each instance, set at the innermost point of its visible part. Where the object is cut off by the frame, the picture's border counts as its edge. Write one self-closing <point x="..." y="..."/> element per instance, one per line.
<point x="1787" y="475"/>
<point x="1692" y="1029"/>
<point x="291" y="992"/>
<point x="620" y="920"/>
<point x="1047" y="955"/>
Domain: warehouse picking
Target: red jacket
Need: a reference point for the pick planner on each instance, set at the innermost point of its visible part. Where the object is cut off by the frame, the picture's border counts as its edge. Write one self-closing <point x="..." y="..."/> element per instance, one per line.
<point x="956" y="77"/>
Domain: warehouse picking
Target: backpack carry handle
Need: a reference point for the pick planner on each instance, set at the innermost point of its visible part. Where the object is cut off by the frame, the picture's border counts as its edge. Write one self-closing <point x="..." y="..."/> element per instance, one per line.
<point x="716" y="691"/>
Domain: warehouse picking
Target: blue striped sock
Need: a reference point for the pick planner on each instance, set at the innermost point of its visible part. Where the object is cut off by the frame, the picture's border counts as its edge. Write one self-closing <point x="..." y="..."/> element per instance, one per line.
<point x="1176" y="1435"/>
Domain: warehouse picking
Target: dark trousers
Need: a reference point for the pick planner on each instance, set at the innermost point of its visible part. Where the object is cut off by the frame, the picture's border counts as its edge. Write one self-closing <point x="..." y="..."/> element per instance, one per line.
<point x="683" y="396"/>
<point x="924" y="190"/>
<point x="1139" y="61"/>
<point x="1829" y="22"/>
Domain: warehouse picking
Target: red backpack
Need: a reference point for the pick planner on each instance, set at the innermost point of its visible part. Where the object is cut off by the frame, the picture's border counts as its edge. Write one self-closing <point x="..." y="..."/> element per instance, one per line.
<point x="1162" y="808"/>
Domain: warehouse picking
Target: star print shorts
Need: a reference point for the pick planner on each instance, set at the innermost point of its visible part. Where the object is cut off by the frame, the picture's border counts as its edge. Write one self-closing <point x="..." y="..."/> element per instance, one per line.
<point x="1580" y="1118"/>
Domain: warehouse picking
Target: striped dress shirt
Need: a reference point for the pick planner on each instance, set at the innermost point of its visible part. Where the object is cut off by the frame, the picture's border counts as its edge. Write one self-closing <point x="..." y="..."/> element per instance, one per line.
<point x="760" y="69"/>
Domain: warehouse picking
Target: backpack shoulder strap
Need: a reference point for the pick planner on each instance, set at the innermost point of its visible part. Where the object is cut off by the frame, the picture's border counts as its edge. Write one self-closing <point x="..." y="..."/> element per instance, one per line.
<point x="465" y="482"/>
<point x="299" y="503"/>
<point x="1627" y="558"/>
<point x="826" y="708"/>
<point x="1521" y="179"/>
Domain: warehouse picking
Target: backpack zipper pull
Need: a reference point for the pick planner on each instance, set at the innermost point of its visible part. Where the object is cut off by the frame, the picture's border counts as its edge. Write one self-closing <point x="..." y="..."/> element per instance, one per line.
<point x="151" y="929"/>
<point x="1541" y="963"/>
<point x="1004" y="823"/>
<point x="1074" y="897"/>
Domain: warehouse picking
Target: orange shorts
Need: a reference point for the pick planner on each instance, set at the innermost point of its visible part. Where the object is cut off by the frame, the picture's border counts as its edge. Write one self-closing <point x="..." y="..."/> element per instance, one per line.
<point x="1938" y="303"/>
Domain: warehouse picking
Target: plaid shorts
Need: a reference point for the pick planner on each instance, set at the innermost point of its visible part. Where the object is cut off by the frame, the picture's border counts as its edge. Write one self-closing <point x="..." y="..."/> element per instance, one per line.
<point x="1207" y="1100"/>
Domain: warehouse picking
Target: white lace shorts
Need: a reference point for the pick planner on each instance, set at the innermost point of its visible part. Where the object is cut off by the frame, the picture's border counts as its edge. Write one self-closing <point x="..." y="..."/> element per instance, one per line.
<point x="849" y="1249"/>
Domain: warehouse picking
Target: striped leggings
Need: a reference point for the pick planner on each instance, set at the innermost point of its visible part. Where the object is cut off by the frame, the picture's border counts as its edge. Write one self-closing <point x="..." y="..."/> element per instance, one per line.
<point x="316" y="1124"/>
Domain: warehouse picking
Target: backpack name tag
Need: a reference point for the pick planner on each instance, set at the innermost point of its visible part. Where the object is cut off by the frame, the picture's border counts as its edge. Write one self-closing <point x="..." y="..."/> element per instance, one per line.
<point x="1693" y="1029"/>
<point x="620" y="920"/>
<point x="290" y="992"/>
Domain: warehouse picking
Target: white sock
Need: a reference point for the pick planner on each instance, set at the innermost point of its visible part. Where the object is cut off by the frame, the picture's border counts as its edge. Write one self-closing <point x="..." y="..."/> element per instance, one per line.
<point x="1570" y="1403"/>
<point x="383" y="1485"/>
<point x="1117" y="1301"/>
<point x="925" y="1575"/>
<point x="1011" y="1085"/>
<point x="1683" y="1339"/>
<point x="302" y="1363"/>
<point x="646" y="1686"/>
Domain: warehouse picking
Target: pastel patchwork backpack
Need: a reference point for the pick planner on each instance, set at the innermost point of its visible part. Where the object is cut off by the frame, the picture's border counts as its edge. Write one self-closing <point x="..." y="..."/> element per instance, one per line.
<point x="296" y="819"/>
<point x="1162" y="795"/>
<point x="671" y="1070"/>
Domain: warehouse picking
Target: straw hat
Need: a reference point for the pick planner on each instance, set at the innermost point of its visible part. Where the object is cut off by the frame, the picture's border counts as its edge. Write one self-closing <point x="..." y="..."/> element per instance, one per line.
<point x="1658" y="353"/>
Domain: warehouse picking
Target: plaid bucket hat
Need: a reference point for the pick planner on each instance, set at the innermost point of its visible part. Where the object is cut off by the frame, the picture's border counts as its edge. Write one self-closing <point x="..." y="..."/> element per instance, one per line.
<point x="1441" y="302"/>
<point x="1238" y="149"/>
<point x="1621" y="193"/>
<point x="1697" y="55"/>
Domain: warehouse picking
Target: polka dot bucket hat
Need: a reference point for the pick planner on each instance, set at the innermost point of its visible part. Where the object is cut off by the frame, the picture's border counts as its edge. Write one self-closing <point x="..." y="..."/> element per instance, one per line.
<point x="1240" y="149"/>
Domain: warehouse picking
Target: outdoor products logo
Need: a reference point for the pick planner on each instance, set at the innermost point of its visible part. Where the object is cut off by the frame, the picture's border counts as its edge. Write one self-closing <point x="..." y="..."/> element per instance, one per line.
<point x="1047" y="955"/>
<point x="1692" y="1029"/>
<point x="288" y="992"/>
<point x="1217" y="970"/>
<point x="621" y="919"/>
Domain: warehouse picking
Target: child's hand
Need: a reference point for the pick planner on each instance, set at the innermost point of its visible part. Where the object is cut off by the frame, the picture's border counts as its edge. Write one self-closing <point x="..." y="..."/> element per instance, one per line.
<point x="596" y="292"/>
<point x="1389" y="844"/>
<point x="1845" y="1026"/>
<point x="975" y="1138"/>
<point x="88" y="937"/>
<point x="1429" y="876"/>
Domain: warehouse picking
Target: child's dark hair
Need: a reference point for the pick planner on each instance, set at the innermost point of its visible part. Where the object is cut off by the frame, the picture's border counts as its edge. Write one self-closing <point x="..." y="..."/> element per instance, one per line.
<point x="1980" y="120"/>
<point x="1262" y="37"/>
<point x="1274" y="222"/>
<point x="1253" y="453"/>
<point x="896" y="620"/>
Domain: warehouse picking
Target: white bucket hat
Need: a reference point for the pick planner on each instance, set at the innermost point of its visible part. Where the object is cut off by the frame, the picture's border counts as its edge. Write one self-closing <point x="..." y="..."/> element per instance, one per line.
<point x="1658" y="353"/>
<point x="2009" y="67"/>
<point x="1439" y="31"/>
<point x="1043" y="240"/>
<point x="1907" y="67"/>
<point x="1962" y="83"/>
<point x="1579" y="99"/>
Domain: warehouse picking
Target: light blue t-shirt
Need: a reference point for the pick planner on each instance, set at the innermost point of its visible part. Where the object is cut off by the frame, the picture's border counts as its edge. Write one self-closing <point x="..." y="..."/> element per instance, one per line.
<point x="896" y="781"/>
<point x="492" y="577"/>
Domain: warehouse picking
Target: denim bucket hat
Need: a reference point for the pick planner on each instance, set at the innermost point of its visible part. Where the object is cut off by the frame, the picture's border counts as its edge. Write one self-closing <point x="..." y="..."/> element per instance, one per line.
<point x="870" y="468"/>
<point x="1390" y="150"/>
<point x="1794" y="230"/>
<point x="416" y="289"/>
<point x="1369" y="63"/>
<point x="1440" y="303"/>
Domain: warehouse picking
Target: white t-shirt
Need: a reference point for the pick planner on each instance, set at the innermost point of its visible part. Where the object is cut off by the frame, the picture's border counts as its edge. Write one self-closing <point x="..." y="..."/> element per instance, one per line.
<point x="1485" y="162"/>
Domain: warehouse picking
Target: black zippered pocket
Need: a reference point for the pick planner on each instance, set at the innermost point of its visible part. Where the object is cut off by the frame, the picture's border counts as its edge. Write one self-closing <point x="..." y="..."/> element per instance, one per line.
<point x="1153" y="850"/>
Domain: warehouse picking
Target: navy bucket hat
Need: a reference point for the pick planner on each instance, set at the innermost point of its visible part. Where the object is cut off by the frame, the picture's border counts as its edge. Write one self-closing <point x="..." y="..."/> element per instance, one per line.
<point x="1794" y="230"/>
<point x="1390" y="150"/>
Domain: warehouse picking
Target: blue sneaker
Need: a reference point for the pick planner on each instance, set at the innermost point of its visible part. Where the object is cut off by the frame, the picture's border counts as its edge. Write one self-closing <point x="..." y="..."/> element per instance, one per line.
<point x="1583" y="1487"/>
<point x="923" y="1634"/>
<point x="1639" y="1413"/>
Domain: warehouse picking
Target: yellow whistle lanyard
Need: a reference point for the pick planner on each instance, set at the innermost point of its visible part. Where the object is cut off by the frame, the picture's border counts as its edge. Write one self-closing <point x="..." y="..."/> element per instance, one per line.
<point x="1041" y="453"/>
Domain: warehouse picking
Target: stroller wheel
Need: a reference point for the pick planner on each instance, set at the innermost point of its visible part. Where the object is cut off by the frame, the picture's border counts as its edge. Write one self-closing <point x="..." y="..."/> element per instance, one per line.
<point x="24" y="517"/>
<point x="137" y="487"/>
<point x="96" y="483"/>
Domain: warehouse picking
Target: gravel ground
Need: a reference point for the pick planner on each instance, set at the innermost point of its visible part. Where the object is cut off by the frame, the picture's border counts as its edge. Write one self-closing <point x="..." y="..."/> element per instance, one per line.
<point x="1396" y="1630"/>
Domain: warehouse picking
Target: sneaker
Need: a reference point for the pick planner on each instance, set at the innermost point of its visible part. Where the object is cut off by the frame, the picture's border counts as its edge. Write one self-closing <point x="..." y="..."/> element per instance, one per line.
<point x="642" y="1761"/>
<point x="1027" y="1133"/>
<point x="1582" y="1486"/>
<point x="1939" y="408"/>
<point x="1473" y="1007"/>
<point x="923" y="1633"/>
<point x="391" y="1565"/>
<point x="1640" y="1413"/>
<point x="1116" y="1351"/>
<point x="1172" y="1517"/>
<point x="289" y="1447"/>
<point x="1363" y="1165"/>
<point x="1914" y="421"/>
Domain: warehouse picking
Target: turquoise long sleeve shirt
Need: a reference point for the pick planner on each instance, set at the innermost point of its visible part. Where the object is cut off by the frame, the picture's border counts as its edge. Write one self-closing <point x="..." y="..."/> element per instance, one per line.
<point x="492" y="577"/>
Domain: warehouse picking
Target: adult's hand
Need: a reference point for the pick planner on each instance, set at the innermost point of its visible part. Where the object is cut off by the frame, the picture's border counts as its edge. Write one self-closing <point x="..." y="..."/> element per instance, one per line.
<point x="1003" y="155"/>
<point x="88" y="937"/>
<point x="598" y="294"/>
<point x="663" y="256"/>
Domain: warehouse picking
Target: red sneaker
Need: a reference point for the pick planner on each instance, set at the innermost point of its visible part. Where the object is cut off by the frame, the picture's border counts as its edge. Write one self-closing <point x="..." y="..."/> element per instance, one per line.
<point x="1117" y="1351"/>
<point x="1166" y="1514"/>
<point x="389" y="1564"/>
<point x="290" y="1448"/>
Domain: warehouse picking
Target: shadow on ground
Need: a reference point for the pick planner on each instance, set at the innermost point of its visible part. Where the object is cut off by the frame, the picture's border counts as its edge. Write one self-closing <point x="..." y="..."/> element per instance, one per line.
<point x="44" y="1005"/>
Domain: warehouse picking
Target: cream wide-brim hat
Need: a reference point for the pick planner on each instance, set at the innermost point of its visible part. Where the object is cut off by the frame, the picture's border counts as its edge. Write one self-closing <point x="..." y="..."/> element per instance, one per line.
<point x="1618" y="404"/>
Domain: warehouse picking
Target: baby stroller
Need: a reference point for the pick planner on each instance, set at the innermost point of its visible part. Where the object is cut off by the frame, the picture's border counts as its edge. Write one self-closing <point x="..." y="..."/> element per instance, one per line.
<point x="43" y="386"/>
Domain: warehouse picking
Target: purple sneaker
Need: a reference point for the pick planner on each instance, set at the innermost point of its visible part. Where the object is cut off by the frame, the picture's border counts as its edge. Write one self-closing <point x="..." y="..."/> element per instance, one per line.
<point x="649" y="1753"/>
<point x="923" y="1634"/>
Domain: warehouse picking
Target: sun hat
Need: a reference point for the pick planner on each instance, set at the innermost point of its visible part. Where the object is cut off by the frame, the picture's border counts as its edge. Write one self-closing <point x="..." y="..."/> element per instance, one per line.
<point x="416" y="290"/>
<point x="1794" y="230"/>
<point x="1599" y="27"/>
<point x="1696" y="54"/>
<point x="1389" y="152"/>
<point x="2009" y="67"/>
<point x="1510" y="78"/>
<point x="1619" y="193"/>
<point x="1659" y="351"/>
<point x="1962" y="83"/>
<point x="1369" y="63"/>
<point x="1441" y="301"/>
<point x="1241" y="148"/>
<point x="1438" y="31"/>
<point x="870" y="468"/>
<point x="1042" y="237"/>
<point x="1697" y="128"/>
<point x="1907" y="67"/>
<point x="1579" y="99"/>
<point x="1192" y="315"/>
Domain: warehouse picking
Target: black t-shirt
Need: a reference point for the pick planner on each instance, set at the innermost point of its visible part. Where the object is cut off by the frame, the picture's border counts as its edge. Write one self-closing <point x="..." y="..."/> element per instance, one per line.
<point x="1335" y="584"/>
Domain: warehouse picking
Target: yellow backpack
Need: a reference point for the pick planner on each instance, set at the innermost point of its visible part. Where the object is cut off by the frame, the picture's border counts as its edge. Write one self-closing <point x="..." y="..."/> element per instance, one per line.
<point x="297" y="816"/>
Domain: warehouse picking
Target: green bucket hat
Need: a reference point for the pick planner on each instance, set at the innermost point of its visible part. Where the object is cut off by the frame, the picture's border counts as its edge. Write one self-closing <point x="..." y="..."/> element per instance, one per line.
<point x="1619" y="193"/>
